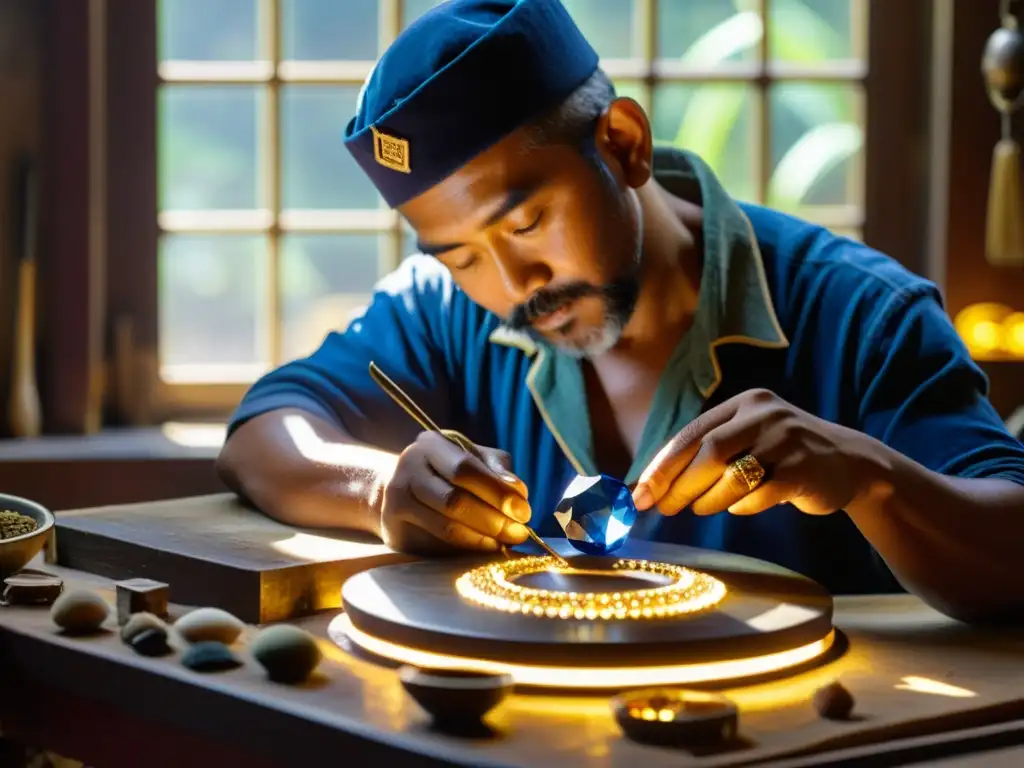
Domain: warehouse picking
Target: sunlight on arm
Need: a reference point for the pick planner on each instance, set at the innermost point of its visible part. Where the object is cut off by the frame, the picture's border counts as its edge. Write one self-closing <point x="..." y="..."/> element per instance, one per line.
<point x="358" y="458"/>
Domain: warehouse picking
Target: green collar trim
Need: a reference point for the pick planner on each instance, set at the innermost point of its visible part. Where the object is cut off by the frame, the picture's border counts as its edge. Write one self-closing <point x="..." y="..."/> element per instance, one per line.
<point x="735" y="305"/>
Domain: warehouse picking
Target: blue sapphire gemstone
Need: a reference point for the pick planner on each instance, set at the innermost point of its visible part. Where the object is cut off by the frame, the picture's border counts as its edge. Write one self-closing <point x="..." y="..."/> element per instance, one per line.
<point x="596" y="513"/>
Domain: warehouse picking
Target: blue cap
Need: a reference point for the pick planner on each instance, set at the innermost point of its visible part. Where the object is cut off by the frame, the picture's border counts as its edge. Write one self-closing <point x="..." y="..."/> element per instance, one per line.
<point x="457" y="81"/>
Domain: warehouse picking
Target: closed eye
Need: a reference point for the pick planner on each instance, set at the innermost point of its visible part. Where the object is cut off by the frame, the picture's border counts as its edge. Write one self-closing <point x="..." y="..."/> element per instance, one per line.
<point x="465" y="263"/>
<point x="527" y="229"/>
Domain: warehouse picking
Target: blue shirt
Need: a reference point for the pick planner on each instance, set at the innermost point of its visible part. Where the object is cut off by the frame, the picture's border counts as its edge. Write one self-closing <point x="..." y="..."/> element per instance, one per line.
<point x="828" y="324"/>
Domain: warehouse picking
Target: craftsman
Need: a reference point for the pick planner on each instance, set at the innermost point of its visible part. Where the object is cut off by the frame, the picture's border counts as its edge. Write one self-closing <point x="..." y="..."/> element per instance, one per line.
<point x="587" y="303"/>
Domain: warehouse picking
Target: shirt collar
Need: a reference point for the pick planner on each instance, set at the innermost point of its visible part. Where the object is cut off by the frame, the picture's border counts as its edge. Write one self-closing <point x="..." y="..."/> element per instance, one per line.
<point x="735" y="304"/>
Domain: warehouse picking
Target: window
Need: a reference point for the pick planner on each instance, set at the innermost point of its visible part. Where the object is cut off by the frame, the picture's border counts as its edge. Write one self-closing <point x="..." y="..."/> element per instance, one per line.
<point x="270" y="236"/>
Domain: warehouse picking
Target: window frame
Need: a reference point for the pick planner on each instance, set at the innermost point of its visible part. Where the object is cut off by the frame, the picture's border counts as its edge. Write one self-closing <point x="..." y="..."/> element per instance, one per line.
<point x="895" y="174"/>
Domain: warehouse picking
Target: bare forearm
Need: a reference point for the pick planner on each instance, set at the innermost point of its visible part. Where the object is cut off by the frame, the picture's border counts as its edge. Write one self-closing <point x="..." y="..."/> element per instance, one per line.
<point x="953" y="541"/>
<point x="306" y="472"/>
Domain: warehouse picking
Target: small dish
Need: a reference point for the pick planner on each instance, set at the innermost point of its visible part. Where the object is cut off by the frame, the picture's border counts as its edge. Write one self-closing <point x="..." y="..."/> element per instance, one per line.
<point x="17" y="552"/>
<point x="675" y="717"/>
<point x="457" y="697"/>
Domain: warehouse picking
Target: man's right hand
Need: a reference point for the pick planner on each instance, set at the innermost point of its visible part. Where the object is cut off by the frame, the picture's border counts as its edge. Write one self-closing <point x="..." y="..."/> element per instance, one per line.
<point x="441" y="497"/>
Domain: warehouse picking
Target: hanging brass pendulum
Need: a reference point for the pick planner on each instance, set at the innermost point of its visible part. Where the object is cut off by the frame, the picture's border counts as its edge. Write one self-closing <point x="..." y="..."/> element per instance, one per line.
<point x="1003" y="68"/>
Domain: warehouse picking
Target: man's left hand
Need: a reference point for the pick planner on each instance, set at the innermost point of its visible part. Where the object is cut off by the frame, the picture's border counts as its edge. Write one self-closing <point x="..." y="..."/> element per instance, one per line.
<point x="815" y="465"/>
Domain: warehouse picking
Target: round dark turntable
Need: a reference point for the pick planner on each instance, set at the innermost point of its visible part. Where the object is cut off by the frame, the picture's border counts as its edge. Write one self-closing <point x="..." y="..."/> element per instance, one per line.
<point x="651" y="614"/>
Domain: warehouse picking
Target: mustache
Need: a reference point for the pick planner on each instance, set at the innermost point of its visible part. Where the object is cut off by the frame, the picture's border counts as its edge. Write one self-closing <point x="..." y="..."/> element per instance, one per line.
<point x="545" y="302"/>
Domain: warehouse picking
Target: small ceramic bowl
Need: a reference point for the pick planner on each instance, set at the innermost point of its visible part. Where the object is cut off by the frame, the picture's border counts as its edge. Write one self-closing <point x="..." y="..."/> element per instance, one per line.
<point x="16" y="553"/>
<point x="674" y="717"/>
<point x="455" y="696"/>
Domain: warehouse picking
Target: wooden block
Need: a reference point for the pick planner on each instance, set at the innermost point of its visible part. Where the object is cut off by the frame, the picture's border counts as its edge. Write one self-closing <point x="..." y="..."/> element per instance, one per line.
<point x="220" y="552"/>
<point x="138" y="595"/>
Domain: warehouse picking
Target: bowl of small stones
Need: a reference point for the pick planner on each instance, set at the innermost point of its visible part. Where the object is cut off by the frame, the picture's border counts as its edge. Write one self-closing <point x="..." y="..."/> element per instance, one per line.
<point x="24" y="528"/>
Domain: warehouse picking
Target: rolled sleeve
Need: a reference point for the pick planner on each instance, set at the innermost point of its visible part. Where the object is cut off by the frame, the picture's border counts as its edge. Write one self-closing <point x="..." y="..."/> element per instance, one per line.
<point x="403" y="330"/>
<point x="924" y="395"/>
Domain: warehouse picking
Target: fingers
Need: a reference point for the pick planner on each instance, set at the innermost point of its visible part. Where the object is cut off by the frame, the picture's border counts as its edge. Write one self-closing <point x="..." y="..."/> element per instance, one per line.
<point x="729" y="489"/>
<point x="761" y="498"/>
<point x="497" y="461"/>
<point x="477" y="474"/>
<point x="731" y="493"/>
<point x="695" y="479"/>
<point x="454" y="514"/>
<point x="709" y="466"/>
<point x="719" y="448"/>
<point x="500" y="463"/>
<point x="675" y="457"/>
<point x="446" y="530"/>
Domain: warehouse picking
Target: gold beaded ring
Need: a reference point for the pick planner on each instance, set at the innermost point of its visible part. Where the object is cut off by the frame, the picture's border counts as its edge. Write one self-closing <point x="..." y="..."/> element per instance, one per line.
<point x="688" y="592"/>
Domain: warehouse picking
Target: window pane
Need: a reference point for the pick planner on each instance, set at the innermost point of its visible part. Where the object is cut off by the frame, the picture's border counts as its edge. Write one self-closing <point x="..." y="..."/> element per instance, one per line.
<point x="633" y="90"/>
<point x="317" y="30"/>
<point x="208" y="30"/>
<point x="208" y="147"/>
<point x="715" y="121"/>
<point x="817" y="144"/>
<point x="316" y="170"/>
<point x="413" y="9"/>
<point x="607" y="24"/>
<point x="408" y="240"/>
<point x="809" y="31"/>
<point x="324" y="278"/>
<point x="211" y="300"/>
<point x="708" y="32"/>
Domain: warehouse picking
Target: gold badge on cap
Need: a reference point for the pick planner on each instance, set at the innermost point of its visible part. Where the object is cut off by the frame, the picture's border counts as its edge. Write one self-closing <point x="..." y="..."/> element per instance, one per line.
<point x="390" y="151"/>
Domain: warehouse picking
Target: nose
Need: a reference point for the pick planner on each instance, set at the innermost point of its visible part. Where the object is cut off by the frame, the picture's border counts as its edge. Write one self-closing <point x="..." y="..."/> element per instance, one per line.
<point x="521" y="275"/>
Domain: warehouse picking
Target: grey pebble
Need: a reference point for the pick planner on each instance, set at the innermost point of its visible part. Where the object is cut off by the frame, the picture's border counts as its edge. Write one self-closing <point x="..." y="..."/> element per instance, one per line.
<point x="209" y="656"/>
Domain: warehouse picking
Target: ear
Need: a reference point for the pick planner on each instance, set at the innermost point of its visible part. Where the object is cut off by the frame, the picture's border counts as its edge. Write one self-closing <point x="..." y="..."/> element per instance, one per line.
<point x="623" y="134"/>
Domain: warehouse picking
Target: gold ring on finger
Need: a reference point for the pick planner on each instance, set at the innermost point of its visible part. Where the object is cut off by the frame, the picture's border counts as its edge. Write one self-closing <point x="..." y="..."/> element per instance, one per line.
<point x="749" y="470"/>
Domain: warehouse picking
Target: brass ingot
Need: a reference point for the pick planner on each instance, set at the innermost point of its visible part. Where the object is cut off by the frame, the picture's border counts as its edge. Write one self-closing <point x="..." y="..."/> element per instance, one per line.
<point x="1003" y="67"/>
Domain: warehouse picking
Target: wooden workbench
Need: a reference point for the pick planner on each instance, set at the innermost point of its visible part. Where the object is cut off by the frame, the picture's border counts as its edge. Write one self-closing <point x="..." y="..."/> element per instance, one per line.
<point x="97" y="701"/>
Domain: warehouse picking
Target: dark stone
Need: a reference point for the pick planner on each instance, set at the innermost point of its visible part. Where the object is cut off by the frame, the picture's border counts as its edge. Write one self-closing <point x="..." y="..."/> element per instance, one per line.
<point x="32" y="588"/>
<point x="833" y="702"/>
<point x="151" y="642"/>
<point x="140" y="622"/>
<point x="289" y="654"/>
<point x="210" y="656"/>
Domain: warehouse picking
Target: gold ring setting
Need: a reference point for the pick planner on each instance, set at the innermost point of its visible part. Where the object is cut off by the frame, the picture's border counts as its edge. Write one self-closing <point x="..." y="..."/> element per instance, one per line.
<point x="749" y="470"/>
<point x="687" y="592"/>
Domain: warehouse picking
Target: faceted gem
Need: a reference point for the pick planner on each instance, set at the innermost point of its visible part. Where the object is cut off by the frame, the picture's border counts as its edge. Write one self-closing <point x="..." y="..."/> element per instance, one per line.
<point x="596" y="513"/>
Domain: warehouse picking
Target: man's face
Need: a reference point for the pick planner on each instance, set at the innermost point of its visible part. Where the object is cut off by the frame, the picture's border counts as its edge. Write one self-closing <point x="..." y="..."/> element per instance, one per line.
<point x="548" y="238"/>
